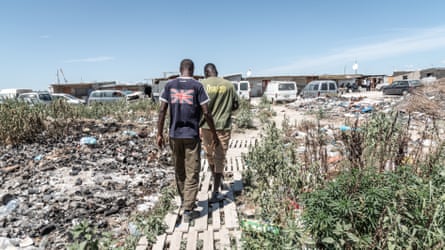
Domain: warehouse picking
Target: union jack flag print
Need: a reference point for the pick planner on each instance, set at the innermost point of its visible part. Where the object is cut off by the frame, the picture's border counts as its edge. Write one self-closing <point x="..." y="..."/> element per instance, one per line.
<point x="181" y="96"/>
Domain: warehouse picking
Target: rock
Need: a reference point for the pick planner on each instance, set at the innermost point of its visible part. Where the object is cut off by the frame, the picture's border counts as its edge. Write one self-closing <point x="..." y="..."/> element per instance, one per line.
<point x="112" y="210"/>
<point x="6" y="243"/>
<point x="46" y="229"/>
<point x="26" y="242"/>
<point x="74" y="182"/>
<point x="78" y="182"/>
<point x="6" y="198"/>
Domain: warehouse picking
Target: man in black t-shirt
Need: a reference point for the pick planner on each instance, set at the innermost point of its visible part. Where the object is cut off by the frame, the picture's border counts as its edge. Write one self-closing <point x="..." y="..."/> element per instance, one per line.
<point x="187" y="102"/>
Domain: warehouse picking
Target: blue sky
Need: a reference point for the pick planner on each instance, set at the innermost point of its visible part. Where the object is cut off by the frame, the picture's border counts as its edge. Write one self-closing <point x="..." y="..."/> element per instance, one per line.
<point x="129" y="41"/>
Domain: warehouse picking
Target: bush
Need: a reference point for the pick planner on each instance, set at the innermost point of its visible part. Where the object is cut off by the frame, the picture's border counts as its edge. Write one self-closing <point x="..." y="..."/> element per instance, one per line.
<point x="244" y="117"/>
<point x="368" y="204"/>
<point x="377" y="211"/>
<point x="21" y="122"/>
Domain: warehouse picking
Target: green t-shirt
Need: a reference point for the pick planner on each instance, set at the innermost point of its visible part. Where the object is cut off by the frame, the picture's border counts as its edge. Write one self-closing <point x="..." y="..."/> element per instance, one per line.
<point x="222" y="95"/>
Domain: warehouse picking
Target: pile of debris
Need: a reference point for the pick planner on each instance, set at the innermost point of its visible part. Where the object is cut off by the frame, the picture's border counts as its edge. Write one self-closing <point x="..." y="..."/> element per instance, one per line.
<point x="102" y="172"/>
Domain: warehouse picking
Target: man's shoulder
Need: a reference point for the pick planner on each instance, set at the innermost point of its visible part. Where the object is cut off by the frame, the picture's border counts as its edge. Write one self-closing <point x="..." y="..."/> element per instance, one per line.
<point x="215" y="80"/>
<point x="189" y="81"/>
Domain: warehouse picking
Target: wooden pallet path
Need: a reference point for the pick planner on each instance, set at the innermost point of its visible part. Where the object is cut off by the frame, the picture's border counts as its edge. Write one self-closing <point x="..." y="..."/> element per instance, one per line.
<point x="217" y="227"/>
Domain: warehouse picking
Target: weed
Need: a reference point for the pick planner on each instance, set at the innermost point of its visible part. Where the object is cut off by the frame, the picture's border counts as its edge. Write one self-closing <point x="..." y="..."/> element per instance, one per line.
<point x="244" y="117"/>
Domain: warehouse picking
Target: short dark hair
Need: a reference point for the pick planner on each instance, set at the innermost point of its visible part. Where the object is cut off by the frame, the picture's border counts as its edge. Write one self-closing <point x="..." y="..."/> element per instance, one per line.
<point x="210" y="68"/>
<point x="187" y="65"/>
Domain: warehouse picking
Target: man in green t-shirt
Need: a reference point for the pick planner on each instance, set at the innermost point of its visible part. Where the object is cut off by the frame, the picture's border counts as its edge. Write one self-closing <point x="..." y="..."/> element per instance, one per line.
<point x="223" y="100"/>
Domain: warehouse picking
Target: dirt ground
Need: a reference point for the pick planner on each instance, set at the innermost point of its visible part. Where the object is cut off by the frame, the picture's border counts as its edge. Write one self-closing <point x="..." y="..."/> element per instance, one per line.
<point x="296" y="116"/>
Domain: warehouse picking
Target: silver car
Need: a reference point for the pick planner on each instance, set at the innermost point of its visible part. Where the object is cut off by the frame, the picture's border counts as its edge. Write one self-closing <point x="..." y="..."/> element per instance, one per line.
<point x="36" y="97"/>
<point x="67" y="98"/>
<point x="319" y="88"/>
<point x="106" y="96"/>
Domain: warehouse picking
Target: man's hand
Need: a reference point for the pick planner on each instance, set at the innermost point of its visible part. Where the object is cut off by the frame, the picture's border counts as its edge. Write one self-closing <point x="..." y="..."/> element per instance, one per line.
<point x="160" y="141"/>
<point x="216" y="141"/>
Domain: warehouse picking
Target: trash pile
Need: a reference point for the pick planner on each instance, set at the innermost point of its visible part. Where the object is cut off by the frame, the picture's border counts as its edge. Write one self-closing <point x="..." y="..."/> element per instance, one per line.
<point x="340" y="112"/>
<point x="102" y="171"/>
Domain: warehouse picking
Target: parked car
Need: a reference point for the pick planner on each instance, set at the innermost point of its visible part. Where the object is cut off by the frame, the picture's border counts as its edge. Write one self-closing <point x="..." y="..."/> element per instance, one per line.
<point x="36" y="97"/>
<point x="319" y="88"/>
<point x="106" y="96"/>
<point x="68" y="98"/>
<point x="401" y="87"/>
<point x="134" y="95"/>
<point x="278" y="91"/>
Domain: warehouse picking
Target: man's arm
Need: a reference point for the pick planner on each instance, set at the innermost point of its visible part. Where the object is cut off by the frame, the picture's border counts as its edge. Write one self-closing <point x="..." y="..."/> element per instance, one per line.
<point x="209" y="119"/>
<point x="161" y="120"/>
<point x="235" y="104"/>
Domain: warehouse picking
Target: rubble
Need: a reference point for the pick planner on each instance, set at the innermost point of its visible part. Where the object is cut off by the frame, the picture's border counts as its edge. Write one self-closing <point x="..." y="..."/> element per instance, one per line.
<point x="49" y="186"/>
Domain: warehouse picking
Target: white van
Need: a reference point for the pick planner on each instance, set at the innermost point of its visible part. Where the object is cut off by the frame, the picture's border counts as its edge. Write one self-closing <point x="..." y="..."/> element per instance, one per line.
<point x="242" y="88"/>
<point x="319" y="88"/>
<point x="278" y="91"/>
<point x="13" y="93"/>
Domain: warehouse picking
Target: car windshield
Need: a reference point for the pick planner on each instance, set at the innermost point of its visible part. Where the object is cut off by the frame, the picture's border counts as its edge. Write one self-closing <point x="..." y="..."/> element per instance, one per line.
<point x="235" y="86"/>
<point x="45" y="97"/>
<point x="415" y="82"/>
<point x="286" y="86"/>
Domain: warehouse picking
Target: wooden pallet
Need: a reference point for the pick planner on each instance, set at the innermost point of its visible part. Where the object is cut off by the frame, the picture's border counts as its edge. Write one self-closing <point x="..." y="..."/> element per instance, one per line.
<point x="218" y="224"/>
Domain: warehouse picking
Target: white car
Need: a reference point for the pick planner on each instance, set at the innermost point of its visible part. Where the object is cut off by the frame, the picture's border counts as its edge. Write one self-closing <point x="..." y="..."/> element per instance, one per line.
<point x="68" y="98"/>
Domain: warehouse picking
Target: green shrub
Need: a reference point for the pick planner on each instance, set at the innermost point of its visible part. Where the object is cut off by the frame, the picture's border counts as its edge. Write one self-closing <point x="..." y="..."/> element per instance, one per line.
<point x="375" y="210"/>
<point x="387" y="194"/>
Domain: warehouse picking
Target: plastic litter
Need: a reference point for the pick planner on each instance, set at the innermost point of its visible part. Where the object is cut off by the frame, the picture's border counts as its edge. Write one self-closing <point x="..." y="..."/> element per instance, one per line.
<point x="367" y="109"/>
<point x="89" y="140"/>
<point x="10" y="206"/>
<point x="344" y="128"/>
<point x="133" y="229"/>
<point x="130" y="133"/>
<point x="256" y="226"/>
<point x="38" y="157"/>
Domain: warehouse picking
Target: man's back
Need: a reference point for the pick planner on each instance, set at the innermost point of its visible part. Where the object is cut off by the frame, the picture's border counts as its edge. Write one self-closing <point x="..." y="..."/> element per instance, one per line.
<point x="184" y="96"/>
<point x="222" y="97"/>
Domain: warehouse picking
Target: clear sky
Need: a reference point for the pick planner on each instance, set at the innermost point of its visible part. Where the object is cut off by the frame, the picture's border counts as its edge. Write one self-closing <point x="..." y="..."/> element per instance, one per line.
<point x="130" y="41"/>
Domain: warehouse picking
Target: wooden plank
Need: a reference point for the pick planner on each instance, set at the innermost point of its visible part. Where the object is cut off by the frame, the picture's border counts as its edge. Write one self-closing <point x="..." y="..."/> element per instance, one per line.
<point x="160" y="242"/>
<point x="238" y="165"/>
<point x="229" y="163"/>
<point x="192" y="240"/>
<point x="202" y="221"/>
<point x="216" y="218"/>
<point x="175" y="242"/>
<point x="172" y="216"/>
<point x="230" y="213"/>
<point x="237" y="236"/>
<point x="208" y="239"/>
<point x="224" y="238"/>
<point x="183" y="227"/>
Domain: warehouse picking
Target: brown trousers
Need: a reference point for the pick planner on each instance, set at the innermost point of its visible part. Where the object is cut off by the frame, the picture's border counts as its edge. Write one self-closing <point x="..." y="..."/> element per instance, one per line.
<point x="216" y="156"/>
<point x="187" y="161"/>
